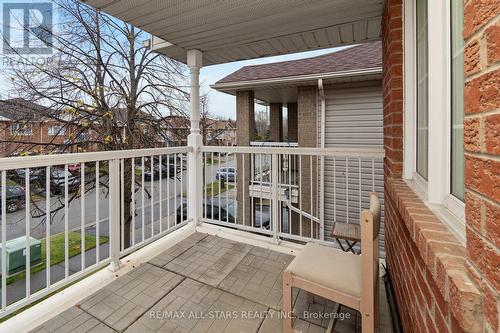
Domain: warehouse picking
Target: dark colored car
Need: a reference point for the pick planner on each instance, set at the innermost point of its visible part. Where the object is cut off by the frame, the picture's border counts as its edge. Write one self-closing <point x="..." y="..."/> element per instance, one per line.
<point x="170" y="167"/>
<point x="57" y="181"/>
<point x="14" y="200"/>
<point x="227" y="174"/>
<point x="226" y="210"/>
<point x="20" y="174"/>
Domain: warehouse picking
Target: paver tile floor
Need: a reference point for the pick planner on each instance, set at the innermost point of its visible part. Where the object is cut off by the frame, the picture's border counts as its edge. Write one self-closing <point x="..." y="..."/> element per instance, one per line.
<point x="203" y="284"/>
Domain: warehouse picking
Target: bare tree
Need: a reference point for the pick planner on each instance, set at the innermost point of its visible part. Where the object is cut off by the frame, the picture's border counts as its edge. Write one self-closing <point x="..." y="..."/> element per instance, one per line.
<point x="104" y="85"/>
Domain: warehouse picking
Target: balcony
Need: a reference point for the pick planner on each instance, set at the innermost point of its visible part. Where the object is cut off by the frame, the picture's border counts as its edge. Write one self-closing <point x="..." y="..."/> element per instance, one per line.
<point x="144" y="258"/>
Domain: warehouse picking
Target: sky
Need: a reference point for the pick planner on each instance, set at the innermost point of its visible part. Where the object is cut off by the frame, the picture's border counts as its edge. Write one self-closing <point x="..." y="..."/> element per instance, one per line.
<point x="224" y="105"/>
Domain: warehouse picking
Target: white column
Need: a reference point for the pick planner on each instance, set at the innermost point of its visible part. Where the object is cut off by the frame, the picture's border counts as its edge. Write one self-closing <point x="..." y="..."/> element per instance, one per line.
<point x="195" y="179"/>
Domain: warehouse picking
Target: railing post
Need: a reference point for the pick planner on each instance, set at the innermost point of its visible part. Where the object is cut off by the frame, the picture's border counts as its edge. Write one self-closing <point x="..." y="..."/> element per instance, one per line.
<point x="275" y="203"/>
<point x="114" y="214"/>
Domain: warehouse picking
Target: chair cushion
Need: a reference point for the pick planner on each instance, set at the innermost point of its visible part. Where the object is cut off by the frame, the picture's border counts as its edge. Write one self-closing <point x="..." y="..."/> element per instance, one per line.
<point x="329" y="267"/>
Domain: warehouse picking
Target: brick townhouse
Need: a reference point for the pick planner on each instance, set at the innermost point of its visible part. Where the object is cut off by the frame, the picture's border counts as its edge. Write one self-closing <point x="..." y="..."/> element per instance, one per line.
<point x="28" y="128"/>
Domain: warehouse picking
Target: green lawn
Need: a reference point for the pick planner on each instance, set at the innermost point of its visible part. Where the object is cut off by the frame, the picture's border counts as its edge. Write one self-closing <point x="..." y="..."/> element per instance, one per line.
<point x="57" y="251"/>
<point x="212" y="189"/>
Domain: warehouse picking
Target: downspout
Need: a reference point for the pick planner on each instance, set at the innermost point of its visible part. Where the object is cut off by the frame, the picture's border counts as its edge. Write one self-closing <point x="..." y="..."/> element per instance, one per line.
<point x="322" y="161"/>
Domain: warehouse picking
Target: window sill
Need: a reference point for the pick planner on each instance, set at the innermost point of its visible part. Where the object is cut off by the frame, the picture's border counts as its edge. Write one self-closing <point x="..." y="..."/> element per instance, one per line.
<point x="455" y="224"/>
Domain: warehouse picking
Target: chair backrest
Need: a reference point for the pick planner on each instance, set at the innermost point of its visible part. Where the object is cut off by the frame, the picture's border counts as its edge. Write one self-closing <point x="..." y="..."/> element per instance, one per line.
<point x="370" y="227"/>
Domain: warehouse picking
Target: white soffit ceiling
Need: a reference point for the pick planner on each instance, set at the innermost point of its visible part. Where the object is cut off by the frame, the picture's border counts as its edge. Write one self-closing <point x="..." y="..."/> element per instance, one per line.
<point x="230" y="30"/>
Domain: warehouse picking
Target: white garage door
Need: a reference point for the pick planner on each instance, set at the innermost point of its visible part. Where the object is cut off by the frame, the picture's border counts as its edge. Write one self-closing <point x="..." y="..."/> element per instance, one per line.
<point x="354" y="118"/>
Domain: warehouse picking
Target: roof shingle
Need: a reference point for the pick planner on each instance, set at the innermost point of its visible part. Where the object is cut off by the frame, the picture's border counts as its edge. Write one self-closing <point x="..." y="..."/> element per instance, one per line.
<point x="363" y="56"/>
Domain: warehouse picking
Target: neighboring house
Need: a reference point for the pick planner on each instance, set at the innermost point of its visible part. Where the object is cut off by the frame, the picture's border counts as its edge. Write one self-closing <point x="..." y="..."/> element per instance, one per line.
<point x="177" y="130"/>
<point x="337" y="100"/>
<point x="29" y="128"/>
<point x="215" y="132"/>
<point x="219" y="132"/>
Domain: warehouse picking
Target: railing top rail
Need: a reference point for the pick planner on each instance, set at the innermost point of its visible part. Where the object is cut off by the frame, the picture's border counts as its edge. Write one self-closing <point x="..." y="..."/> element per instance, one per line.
<point x="273" y="144"/>
<point x="331" y="152"/>
<point x="10" y="163"/>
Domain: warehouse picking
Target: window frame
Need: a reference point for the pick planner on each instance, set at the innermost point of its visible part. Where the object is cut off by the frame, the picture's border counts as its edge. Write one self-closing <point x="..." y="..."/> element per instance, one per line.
<point x="25" y="129"/>
<point x="60" y="131"/>
<point x="436" y="190"/>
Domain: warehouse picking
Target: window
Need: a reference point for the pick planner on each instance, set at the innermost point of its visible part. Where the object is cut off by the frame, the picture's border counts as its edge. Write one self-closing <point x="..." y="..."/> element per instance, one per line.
<point x="21" y="129"/>
<point x="422" y="89"/>
<point x="457" y="101"/>
<point x="434" y="107"/>
<point x="56" y="130"/>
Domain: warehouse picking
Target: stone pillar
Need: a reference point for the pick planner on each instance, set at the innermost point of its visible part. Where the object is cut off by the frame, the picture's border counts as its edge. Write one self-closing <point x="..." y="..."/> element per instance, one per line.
<point x="292" y="122"/>
<point x="307" y="137"/>
<point x="245" y="128"/>
<point x="276" y="122"/>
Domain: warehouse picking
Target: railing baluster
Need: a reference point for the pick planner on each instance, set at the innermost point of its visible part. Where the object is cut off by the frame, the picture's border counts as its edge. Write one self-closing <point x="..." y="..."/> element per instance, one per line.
<point x="334" y="190"/>
<point x="347" y="188"/>
<point x="300" y="196"/>
<point x="143" y="211"/>
<point x="97" y="217"/>
<point x="152" y="208"/>
<point x="28" y="231"/>
<point x="261" y="194"/>
<point x="175" y="193"/>
<point x="227" y="188"/>
<point x="311" y="182"/>
<point x="205" y="164"/>
<point x="122" y="204"/>
<point x="4" y="240"/>
<point x="132" y="201"/>
<point x="275" y="174"/>
<point x="66" y="222"/>
<point x="160" y="213"/>
<point x="243" y="184"/>
<point x="182" y="183"/>
<point x="373" y="175"/>
<point x="82" y="215"/>
<point x="47" y="226"/>
<point x="212" y="185"/>
<point x="359" y="174"/>
<point x="168" y="192"/>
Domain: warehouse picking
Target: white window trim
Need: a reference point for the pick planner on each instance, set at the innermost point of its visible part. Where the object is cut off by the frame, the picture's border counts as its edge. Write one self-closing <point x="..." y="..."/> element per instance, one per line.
<point x="435" y="192"/>
<point x="26" y="131"/>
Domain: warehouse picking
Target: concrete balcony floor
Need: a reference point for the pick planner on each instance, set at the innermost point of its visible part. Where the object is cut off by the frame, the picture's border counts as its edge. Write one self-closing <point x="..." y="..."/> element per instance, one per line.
<point x="204" y="283"/>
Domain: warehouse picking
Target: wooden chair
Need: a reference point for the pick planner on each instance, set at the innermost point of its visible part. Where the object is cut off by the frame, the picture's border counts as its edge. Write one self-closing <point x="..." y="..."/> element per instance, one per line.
<point x="342" y="277"/>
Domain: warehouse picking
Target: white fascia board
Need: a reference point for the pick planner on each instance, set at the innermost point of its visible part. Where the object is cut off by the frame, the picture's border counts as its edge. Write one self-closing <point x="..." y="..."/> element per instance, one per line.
<point x="313" y="78"/>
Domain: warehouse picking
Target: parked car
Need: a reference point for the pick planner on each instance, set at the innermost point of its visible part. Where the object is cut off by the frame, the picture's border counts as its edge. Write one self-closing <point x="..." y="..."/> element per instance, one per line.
<point x="226" y="174"/>
<point x="169" y="167"/>
<point x="74" y="168"/>
<point x="15" y="198"/>
<point x="57" y="181"/>
<point x="20" y="174"/>
<point x="226" y="210"/>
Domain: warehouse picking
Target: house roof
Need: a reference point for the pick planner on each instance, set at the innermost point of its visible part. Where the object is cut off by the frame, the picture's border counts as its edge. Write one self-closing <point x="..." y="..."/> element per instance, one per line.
<point x="360" y="57"/>
<point x="20" y="109"/>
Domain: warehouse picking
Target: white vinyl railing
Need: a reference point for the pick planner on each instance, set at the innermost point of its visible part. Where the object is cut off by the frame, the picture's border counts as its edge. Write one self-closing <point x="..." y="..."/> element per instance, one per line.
<point x="64" y="216"/>
<point x="75" y="213"/>
<point x="288" y="193"/>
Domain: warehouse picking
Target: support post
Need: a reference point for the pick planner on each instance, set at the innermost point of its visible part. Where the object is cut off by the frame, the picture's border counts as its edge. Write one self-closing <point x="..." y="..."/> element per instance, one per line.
<point x="195" y="167"/>
<point x="114" y="217"/>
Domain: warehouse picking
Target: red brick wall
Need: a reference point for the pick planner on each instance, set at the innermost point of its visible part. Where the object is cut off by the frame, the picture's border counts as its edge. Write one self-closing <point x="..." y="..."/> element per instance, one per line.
<point x="440" y="284"/>
<point x="482" y="150"/>
<point x="392" y="56"/>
